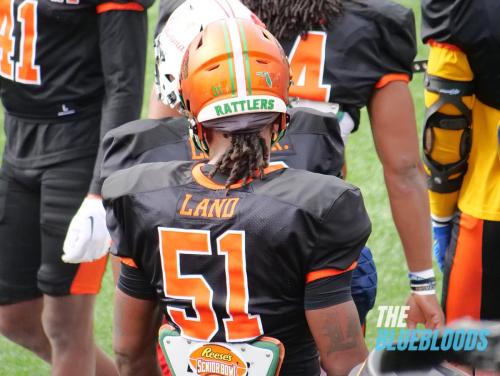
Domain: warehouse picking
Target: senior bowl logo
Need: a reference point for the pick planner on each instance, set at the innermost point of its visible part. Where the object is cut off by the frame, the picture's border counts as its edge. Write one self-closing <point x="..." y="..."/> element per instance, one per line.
<point x="216" y="360"/>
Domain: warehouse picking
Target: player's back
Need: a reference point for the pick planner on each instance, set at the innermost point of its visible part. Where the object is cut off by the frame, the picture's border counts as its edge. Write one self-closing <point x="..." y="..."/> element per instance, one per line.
<point x="233" y="265"/>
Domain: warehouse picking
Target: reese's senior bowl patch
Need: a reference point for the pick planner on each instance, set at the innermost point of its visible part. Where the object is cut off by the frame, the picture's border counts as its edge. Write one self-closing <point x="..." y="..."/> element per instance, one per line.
<point x="212" y="359"/>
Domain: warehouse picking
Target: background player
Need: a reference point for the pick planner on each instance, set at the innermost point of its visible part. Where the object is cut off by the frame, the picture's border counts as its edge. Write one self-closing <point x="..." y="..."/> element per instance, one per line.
<point x="461" y="152"/>
<point x="165" y="203"/>
<point x="70" y="71"/>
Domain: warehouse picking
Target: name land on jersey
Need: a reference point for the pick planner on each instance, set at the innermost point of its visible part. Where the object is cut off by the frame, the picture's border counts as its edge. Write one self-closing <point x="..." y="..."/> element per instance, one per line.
<point x="208" y="207"/>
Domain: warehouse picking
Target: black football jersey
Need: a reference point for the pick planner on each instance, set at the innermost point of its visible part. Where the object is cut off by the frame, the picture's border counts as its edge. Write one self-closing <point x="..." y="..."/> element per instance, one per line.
<point x="50" y="61"/>
<point x="70" y="70"/>
<point x="232" y="265"/>
<point x="473" y="27"/>
<point x="312" y="142"/>
<point x="344" y="62"/>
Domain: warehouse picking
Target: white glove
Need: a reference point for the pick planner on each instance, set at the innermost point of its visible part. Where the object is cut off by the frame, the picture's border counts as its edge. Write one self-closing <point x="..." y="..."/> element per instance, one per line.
<point x="87" y="238"/>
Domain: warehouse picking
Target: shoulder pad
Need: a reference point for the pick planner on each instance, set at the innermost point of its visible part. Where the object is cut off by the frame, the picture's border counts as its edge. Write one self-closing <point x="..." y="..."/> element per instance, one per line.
<point x="313" y="193"/>
<point x="436" y="18"/>
<point x="396" y="28"/>
<point x="386" y="13"/>
<point x="147" y="177"/>
<point x="141" y="135"/>
<point x="128" y="144"/>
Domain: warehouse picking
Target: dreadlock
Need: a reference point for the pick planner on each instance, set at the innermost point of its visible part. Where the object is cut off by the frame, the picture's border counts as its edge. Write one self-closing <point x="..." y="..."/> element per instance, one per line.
<point x="287" y="18"/>
<point x="246" y="158"/>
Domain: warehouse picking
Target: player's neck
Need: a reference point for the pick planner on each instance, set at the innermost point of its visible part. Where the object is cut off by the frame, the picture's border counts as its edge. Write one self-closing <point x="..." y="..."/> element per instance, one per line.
<point x="219" y="143"/>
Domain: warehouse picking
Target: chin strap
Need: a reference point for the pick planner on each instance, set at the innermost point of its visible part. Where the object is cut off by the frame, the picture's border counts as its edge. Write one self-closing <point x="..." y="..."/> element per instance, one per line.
<point x="196" y="134"/>
<point x="276" y="137"/>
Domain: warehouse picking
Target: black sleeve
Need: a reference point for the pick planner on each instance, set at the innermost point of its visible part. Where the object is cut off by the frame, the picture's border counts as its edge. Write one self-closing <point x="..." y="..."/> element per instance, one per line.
<point x="166" y="9"/>
<point x="116" y="222"/>
<point x="128" y="239"/>
<point x="327" y="292"/>
<point x="397" y="44"/>
<point x="123" y="55"/>
<point x="372" y="39"/>
<point x="342" y="234"/>
<point x="133" y="283"/>
<point x="130" y="235"/>
<point x="436" y="19"/>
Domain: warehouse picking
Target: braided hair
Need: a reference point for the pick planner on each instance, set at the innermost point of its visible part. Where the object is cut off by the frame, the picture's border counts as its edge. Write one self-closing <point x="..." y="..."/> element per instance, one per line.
<point x="287" y="18"/>
<point x="246" y="158"/>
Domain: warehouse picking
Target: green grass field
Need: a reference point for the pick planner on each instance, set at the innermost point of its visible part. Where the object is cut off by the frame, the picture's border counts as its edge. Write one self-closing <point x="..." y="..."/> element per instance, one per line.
<point x="364" y="171"/>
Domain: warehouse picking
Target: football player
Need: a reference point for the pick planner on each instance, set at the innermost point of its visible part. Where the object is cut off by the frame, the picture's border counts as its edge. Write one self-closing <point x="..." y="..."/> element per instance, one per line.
<point x="70" y="70"/>
<point x="346" y="55"/>
<point x="462" y="96"/>
<point x="313" y="141"/>
<point x="236" y="248"/>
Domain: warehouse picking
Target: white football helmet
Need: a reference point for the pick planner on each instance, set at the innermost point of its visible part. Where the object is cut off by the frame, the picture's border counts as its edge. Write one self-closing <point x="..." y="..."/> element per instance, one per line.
<point x="182" y="26"/>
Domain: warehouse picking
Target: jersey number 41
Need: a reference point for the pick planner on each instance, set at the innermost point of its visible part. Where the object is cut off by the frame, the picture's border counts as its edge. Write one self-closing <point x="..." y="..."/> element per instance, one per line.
<point x="24" y="70"/>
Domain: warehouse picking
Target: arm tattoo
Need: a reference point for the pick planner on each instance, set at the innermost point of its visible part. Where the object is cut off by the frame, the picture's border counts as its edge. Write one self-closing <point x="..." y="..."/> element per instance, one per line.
<point x="342" y="335"/>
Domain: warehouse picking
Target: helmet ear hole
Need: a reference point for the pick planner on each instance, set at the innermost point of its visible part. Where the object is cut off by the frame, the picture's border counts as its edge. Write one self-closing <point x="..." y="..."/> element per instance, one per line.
<point x="200" y="42"/>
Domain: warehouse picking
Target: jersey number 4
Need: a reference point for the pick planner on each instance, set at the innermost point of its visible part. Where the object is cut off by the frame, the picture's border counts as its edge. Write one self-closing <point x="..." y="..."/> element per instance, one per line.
<point x="240" y="326"/>
<point x="25" y="70"/>
<point x="307" y="62"/>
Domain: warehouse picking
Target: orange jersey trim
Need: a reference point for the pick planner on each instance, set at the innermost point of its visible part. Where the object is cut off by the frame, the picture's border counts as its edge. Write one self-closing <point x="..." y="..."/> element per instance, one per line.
<point x="206" y="182"/>
<point x="128" y="261"/>
<point x="323" y="273"/>
<point x="448" y="46"/>
<point x="88" y="277"/>
<point x="465" y="280"/>
<point x="391" y="77"/>
<point x="107" y="7"/>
